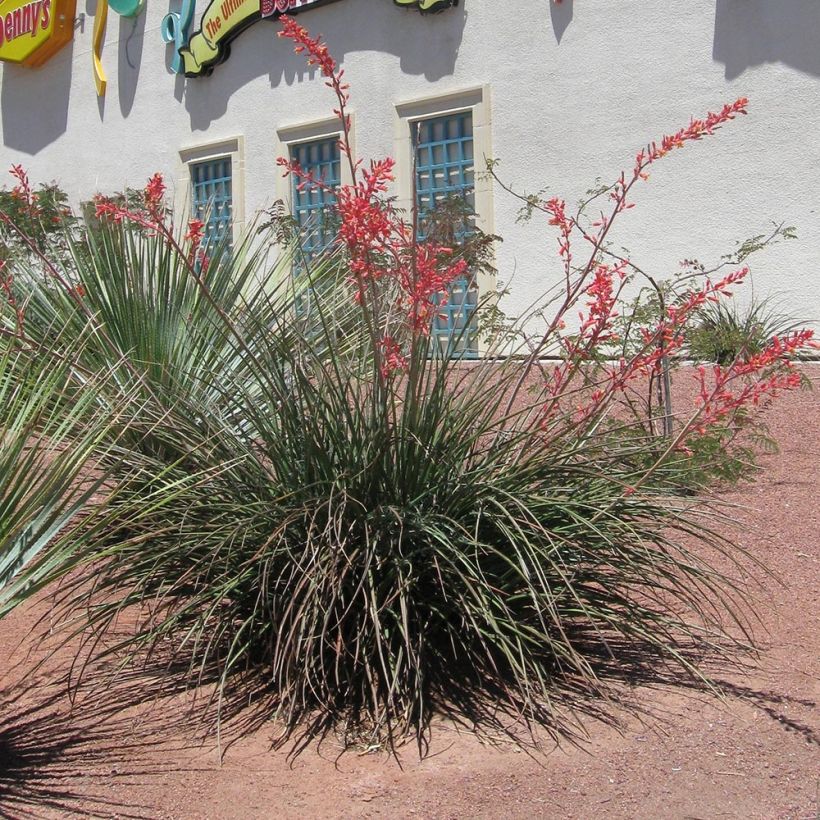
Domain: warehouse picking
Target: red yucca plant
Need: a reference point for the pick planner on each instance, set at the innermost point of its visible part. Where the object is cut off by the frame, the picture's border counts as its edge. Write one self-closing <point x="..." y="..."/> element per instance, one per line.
<point x="313" y="501"/>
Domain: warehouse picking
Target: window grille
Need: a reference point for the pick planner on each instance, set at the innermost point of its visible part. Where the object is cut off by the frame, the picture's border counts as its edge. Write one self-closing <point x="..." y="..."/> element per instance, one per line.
<point x="445" y="168"/>
<point x="311" y="203"/>
<point x="212" y="199"/>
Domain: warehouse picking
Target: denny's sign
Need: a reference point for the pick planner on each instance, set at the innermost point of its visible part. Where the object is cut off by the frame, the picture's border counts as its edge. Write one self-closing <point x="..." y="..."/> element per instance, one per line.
<point x="32" y="31"/>
<point x="224" y="20"/>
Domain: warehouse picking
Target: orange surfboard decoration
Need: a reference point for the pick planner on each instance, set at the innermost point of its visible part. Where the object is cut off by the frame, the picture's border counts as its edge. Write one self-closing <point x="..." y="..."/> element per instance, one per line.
<point x="33" y="31"/>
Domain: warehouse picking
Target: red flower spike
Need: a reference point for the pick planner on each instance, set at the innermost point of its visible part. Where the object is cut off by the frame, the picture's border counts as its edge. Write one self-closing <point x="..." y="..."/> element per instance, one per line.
<point x="154" y="192"/>
<point x="393" y="361"/>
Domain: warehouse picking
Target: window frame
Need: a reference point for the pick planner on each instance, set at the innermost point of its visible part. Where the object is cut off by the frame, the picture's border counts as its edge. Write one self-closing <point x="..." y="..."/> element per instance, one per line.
<point x="232" y="148"/>
<point x="477" y="102"/>
<point x="310" y="131"/>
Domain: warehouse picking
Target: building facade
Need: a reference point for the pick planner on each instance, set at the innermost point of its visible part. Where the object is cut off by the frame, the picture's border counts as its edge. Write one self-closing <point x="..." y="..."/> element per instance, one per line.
<point x="561" y="94"/>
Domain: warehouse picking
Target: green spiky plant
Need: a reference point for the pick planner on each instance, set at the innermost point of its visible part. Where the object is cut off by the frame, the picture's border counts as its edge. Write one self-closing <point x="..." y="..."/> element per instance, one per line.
<point x="50" y="443"/>
<point x="311" y="501"/>
<point x="724" y="333"/>
<point x="377" y="551"/>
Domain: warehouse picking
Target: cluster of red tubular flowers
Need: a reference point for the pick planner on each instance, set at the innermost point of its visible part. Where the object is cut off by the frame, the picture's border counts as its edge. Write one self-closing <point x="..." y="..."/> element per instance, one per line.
<point x="556" y="210"/>
<point x="154" y="194"/>
<point x="319" y="55"/>
<point x="595" y="325"/>
<point x="763" y="375"/>
<point x="696" y="129"/>
<point x="23" y="190"/>
<point x="425" y="278"/>
<point x="366" y="225"/>
<point x="392" y="358"/>
<point x="105" y="209"/>
<point x="379" y="244"/>
<point x="196" y="228"/>
<point x="149" y="214"/>
<point x="317" y="52"/>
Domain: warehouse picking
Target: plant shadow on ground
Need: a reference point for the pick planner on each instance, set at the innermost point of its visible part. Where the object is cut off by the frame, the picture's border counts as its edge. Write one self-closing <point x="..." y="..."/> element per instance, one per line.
<point x="119" y="728"/>
<point x="769" y="703"/>
<point x="58" y="734"/>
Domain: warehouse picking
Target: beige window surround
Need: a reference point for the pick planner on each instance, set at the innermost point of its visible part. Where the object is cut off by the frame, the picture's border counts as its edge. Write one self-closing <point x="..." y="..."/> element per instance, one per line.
<point x="476" y="100"/>
<point x="307" y="131"/>
<point x="230" y="147"/>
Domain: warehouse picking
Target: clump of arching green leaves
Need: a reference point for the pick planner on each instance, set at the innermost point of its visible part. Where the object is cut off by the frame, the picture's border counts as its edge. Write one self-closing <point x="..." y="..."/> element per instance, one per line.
<point x="374" y="552"/>
<point x="296" y="491"/>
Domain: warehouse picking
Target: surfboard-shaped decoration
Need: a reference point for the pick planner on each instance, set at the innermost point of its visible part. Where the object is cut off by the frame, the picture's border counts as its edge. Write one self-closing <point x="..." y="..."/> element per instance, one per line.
<point x="125" y="8"/>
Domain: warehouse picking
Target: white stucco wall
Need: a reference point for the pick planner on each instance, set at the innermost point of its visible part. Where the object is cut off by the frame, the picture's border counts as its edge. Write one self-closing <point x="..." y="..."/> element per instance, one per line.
<point x="576" y="90"/>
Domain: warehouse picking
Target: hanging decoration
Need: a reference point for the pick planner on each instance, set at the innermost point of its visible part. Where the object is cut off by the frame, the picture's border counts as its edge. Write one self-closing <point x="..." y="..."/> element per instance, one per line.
<point x="175" y="30"/>
<point x="125" y="8"/>
<point x="97" y="40"/>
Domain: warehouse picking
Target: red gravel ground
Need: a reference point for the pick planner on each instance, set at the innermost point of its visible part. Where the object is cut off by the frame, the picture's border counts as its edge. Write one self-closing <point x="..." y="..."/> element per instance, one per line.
<point x="755" y="754"/>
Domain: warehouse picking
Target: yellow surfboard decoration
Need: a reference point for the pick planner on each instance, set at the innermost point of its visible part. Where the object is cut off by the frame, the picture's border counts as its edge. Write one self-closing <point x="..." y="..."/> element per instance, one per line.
<point x="97" y="38"/>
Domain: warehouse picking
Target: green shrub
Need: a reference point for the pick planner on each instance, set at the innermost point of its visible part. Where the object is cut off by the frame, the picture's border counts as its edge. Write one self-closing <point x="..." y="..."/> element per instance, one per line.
<point x="723" y="333"/>
<point x="310" y="500"/>
<point x="376" y="552"/>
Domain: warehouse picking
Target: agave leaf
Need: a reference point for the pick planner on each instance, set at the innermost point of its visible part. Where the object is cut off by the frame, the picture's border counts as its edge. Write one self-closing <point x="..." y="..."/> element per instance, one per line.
<point x="49" y="439"/>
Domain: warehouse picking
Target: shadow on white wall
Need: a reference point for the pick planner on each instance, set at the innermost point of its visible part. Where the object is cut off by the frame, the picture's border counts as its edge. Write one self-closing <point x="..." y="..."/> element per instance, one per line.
<point x="131" y="41"/>
<point x="749" y="33"/>
<point x="426" y="45"/>
<point x="561" y="16"/>
<point x="34" y="103"/>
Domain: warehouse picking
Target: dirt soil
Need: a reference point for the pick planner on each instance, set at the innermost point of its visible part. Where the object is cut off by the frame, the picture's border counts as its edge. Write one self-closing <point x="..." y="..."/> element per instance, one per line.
<point x="754" y="754"/>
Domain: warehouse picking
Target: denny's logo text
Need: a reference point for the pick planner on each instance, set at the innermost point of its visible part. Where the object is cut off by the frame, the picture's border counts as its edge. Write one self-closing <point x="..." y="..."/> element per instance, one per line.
<point x="224" y="20"/>
<point x="32" y="32"/>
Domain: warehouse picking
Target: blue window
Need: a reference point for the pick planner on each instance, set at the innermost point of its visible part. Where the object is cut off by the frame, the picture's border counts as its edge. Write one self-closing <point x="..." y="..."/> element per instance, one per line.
<point x="445" y="169"/>
<point x="212" y="199"/>
<point x="311" y="203"/>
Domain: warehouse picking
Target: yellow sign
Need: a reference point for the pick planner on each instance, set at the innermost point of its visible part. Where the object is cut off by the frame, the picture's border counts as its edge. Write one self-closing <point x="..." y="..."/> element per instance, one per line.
<point x="34" y="31"/>
<point x="224" y="20"/>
